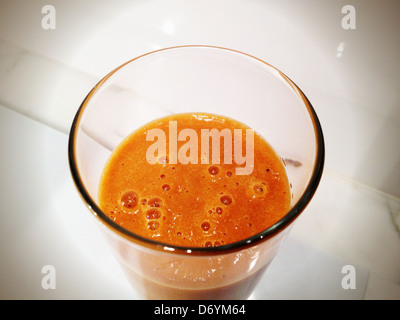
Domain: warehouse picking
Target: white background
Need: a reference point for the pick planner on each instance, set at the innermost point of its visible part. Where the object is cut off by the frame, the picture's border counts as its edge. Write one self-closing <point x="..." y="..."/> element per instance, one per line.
<point x="352" y="78"/>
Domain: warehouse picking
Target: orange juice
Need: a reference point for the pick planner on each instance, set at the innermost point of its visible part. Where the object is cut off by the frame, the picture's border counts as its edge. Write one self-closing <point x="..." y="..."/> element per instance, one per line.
<point x="192" y="191"/>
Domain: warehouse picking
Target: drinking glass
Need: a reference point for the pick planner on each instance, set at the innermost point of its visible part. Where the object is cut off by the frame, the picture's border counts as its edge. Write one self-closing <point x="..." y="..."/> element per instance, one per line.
<point x="196" y="79"/>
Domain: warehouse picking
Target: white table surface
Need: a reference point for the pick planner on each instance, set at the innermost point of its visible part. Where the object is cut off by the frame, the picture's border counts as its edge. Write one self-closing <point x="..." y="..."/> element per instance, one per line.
<point x="350" y="76"/>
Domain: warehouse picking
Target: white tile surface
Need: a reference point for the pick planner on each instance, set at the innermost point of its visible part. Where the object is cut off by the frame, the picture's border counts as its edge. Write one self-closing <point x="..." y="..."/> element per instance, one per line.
<point x="42" y="221"/>
<point x="41" y="88"/>
<point x="381" y="289"/>
<point x="301" y="271"/>
<point x="353" y="222"/>
<point x="350" y="76"/>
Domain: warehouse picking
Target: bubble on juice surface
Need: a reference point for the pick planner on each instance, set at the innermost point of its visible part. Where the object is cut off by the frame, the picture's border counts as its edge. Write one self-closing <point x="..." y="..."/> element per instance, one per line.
<point x="153" y="225"/>
<point x="163" y="160"/>
<point x="208" y="244"/>
<point x="129" y="199"/>
<point x="218" y="210"/>
<point x="213" y="170"/>
<point x="153" y="214"/>
<point x="166" y="187"/>
<point x="205" y="226"/>
<point x="155" y="202"/>
<point x="259" y="189"/>
<point x="229" y="173"/>
<point x="226" y="200"/>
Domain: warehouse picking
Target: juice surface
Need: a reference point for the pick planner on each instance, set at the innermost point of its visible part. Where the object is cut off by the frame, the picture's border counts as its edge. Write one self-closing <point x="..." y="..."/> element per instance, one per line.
<point x="194" y="204"/>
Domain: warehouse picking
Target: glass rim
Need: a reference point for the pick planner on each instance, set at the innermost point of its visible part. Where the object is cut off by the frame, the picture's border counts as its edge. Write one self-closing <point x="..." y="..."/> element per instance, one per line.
<point x="265" y="234"/>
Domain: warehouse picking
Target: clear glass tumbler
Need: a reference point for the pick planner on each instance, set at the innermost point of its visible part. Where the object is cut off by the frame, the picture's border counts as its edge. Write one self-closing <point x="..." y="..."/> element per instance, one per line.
<point x="196" y="79"/>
